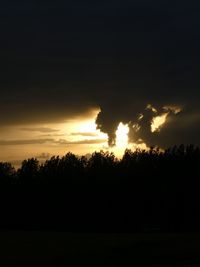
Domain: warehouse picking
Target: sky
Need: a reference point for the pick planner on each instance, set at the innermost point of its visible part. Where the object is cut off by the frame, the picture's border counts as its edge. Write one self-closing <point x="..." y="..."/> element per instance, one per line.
<point x="75" y="73"/>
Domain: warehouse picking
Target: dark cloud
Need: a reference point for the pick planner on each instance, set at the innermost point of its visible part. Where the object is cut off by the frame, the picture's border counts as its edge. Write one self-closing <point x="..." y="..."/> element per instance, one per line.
<point x="184" y="129"/>
<point x="25" y="142"/>
<point x="40" y="129"/>
<point x="51" y="135"/>
<point x="81" y="142"/>
<point x="61" y="59"/>
<point x="43" y="156"/>
<point x="84" y="134"/>
<point x="51" y="141"/>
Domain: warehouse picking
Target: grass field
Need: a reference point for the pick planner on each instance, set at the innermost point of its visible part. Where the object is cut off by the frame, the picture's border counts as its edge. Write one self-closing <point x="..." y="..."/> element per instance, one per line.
<point x="28" y="248"/>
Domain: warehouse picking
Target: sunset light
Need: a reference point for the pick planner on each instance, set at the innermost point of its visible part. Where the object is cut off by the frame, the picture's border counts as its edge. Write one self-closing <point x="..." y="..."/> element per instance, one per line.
<point x="122" y="142"/>
<point x="158" y="122"/>
<point x="122" y="136"/>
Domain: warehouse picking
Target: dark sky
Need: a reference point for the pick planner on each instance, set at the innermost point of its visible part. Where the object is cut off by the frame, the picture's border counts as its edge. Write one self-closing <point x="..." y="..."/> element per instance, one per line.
<point x="61" y="58"/>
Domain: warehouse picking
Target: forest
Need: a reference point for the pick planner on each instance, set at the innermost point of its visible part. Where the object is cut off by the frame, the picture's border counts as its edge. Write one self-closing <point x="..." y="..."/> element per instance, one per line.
<point x="145" y="191"/>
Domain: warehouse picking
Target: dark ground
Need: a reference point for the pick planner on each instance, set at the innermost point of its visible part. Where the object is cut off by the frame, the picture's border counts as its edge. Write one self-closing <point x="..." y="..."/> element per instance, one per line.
<point x="29" y="248"/>
<point x="148" y="193"/>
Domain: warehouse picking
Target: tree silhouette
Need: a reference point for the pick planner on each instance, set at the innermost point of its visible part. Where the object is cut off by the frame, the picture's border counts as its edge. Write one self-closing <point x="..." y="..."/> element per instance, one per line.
<point x="29" y="170"/>
<point x="152" y="189"/>
<point x="7" y="173"/>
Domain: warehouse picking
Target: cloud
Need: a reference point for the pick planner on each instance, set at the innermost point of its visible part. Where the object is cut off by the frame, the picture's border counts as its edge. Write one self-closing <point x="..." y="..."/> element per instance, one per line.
<point x="25" y="142"/>
<point x="84" y="134"/>
<point x="81" y="142"/>
<point x="51" y="135"/>
<point x="51" y="141"/>
<point x="40" y="129"/>
<point x="43" y="156"/>
<point x="117" y="56"/>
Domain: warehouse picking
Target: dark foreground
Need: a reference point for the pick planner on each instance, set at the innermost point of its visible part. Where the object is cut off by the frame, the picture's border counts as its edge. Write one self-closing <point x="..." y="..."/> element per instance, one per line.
<point x="144" y="190"/>
<point x="20" y="248"/>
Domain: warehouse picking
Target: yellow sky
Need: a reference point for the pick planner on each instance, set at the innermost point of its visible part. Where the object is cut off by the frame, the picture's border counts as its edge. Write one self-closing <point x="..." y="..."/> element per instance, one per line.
<point x="78" y="135"/>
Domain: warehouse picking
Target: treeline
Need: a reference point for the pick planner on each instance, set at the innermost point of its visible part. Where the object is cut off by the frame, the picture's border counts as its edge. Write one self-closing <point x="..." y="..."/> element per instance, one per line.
<point x="144" y="191"/>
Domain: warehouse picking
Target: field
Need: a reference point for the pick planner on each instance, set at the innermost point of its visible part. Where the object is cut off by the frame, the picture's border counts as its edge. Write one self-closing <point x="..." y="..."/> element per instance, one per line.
<point x="26" y="248"/>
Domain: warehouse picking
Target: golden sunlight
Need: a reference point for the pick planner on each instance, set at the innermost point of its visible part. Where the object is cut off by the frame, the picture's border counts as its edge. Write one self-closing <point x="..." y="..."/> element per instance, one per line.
<point x="85" y="128"/>
<point x="122" y="140"/>
<point x="122" y="135"/>
<point x="158" y="122"/>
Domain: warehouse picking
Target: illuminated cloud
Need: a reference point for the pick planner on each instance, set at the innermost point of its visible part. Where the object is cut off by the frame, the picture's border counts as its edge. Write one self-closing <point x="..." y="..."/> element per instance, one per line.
<point x="149" y="120"/>
<point x="136" y="126"/>
<point x="158" y="122"/>
<point x="173" y="109"/>
<point x="150" y="107"/>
